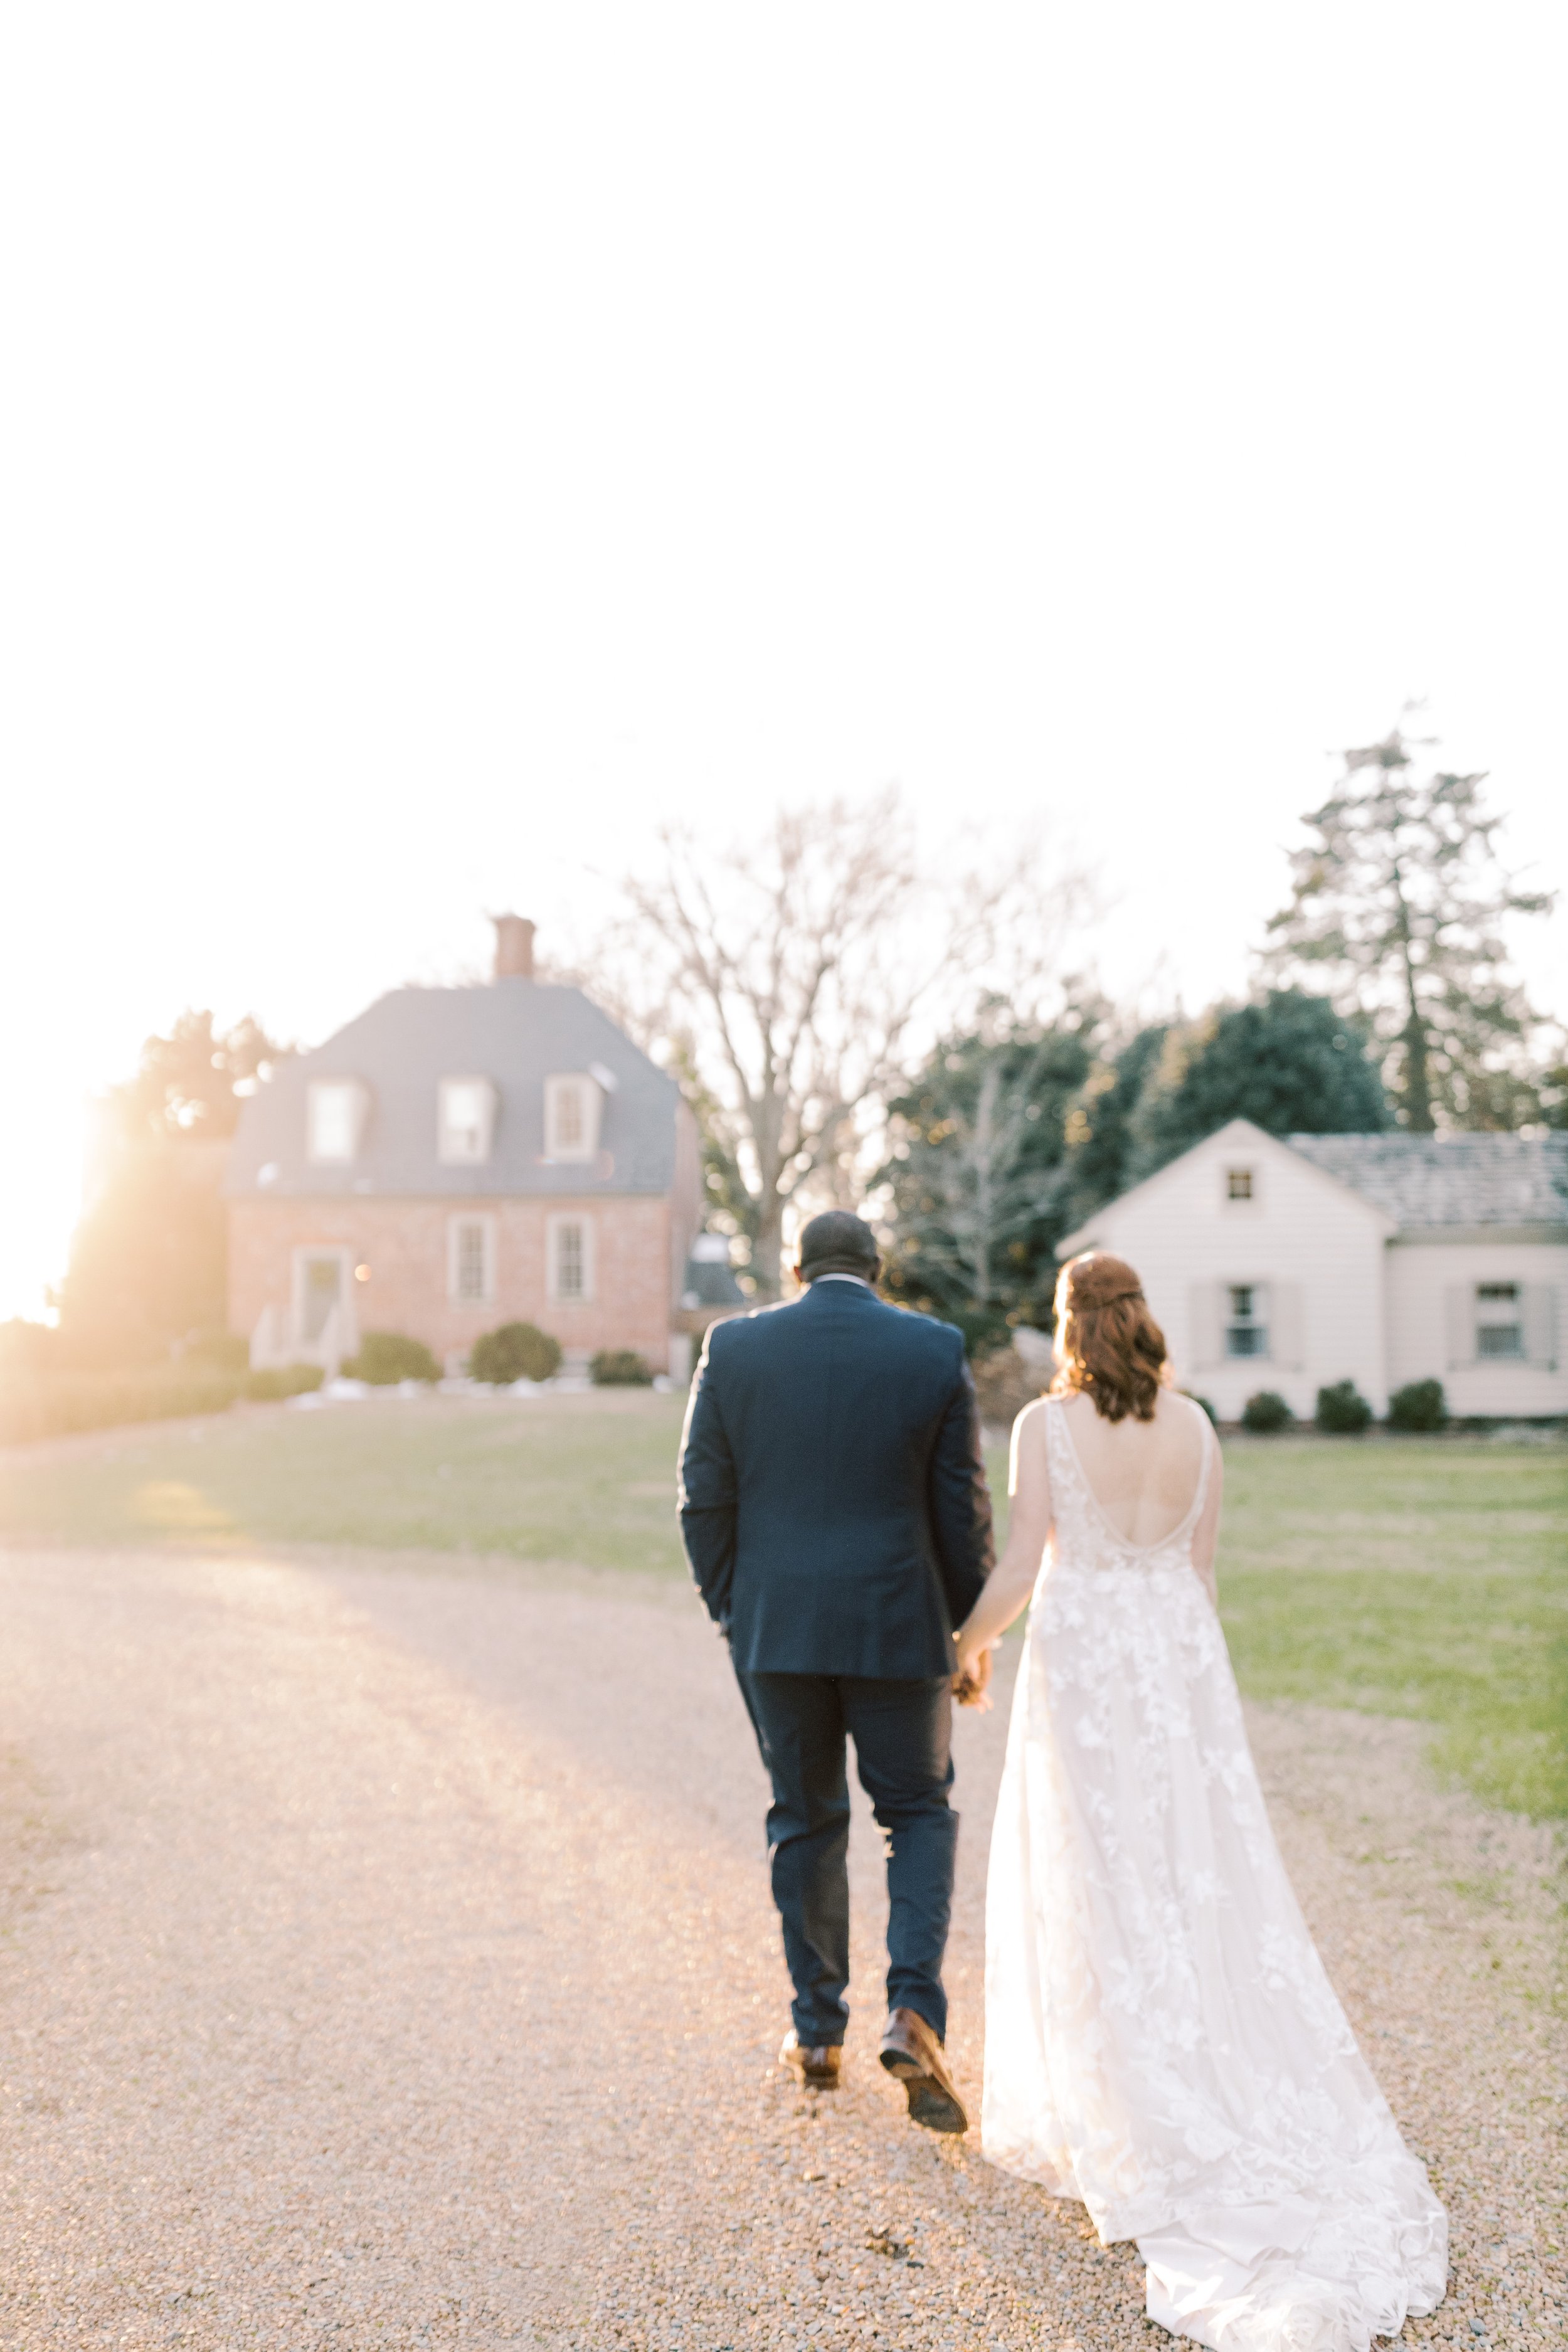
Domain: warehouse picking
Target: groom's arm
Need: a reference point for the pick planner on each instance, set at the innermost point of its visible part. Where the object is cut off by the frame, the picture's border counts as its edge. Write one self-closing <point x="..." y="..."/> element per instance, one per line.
<point x="961" y="1499"/>
<point x="706" y="1491"/>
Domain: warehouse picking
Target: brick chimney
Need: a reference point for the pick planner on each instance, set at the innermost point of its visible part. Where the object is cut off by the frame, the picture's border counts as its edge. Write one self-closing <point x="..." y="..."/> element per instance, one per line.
<point x="514" y="947"/>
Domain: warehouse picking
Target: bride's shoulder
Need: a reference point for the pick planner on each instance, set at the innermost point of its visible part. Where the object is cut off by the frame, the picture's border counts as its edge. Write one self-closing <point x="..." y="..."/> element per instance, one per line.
<point x="1033" y="1421"/>
<point x="1176" y="1404"/>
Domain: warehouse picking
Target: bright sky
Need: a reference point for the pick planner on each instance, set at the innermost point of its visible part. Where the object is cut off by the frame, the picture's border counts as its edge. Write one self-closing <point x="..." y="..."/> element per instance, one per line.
<point x="437" y="442"/>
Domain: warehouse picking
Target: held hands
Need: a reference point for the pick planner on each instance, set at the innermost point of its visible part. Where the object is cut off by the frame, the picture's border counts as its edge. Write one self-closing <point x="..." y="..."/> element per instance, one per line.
<point x="971" y="1683"/>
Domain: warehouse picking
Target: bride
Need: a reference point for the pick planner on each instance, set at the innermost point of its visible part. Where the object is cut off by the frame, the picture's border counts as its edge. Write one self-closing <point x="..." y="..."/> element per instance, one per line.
<point x="1162" y="2039"/>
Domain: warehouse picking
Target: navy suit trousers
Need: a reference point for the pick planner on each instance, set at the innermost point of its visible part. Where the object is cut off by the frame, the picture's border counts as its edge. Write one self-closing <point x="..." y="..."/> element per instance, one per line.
<point x="903" y="1735"/>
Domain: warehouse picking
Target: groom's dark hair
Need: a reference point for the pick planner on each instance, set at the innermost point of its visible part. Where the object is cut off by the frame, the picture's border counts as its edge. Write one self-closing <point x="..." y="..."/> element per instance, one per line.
<point x="838" y="1243"/>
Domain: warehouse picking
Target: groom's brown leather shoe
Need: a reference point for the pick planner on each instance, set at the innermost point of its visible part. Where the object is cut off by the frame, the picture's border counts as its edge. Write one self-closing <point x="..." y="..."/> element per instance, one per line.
<point x="912" y="2055"/>
<point x="817" y="2069"/>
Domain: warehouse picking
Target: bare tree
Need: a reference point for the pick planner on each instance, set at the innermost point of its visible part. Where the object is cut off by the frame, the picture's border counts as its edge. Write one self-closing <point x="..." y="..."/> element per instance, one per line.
<point x="800" y="970"/>
<point x="978" y="1164"/>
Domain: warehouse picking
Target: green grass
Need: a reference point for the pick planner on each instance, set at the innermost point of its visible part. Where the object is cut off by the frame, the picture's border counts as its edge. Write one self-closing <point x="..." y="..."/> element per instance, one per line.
<point x="589" y="1480"/>
<point x="1414" y="1577"/>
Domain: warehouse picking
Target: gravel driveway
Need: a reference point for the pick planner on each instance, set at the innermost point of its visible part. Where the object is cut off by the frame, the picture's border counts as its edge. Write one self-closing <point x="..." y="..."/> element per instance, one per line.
<point x="387" y="1959"/>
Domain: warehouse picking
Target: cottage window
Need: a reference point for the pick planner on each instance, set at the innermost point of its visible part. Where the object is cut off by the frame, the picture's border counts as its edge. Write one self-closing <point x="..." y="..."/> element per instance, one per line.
<point x="1238" y="1184"/>
<point x="334" y="1121"/>
<point x="470" y="1260"/>
<point x="1247" y="1327"/>
<point x="1499" y="1320"/>
<point x="572" y="1105"/>
<point x="466" y="1120"/>
<point x="571" y="1259"/>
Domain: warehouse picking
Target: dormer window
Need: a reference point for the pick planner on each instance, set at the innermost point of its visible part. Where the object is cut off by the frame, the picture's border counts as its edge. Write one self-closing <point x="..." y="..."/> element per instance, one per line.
<point x="334" y="1121"/>
<point x="466" y="1121"/>
<point x="571" y="1107"/>
<point x="1238" y="1184"/>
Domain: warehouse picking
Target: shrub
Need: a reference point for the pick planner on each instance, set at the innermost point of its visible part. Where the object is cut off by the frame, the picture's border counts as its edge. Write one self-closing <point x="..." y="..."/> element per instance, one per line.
<point x="620" y="1368"/>
<point x="57" y="1403"/>
<point x="281" y="1381"/>
<point x="1265" y="1412"/>
<point x="385" y="1357"/>
<point x="1419" y="1405"/>
<point x="1005" y="1384"/>
<point x="27" y="1350"/>
<point x="1342" y="1410"/>
<point x="217" y="1351"/>
<point x="517" y="1352"/>
<point x="1206" y="1405"/>
<point x="983" y="1328"/>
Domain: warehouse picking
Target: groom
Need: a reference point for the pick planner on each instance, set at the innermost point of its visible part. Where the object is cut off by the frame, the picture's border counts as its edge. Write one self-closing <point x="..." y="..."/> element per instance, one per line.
<point x="835" y="1511"/>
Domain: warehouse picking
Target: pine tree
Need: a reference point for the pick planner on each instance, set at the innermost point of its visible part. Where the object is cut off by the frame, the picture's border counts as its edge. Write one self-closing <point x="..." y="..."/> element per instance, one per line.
<point x="1290" y="1064"/>
<point x="1098" y="1130"/>
<point x="1398" y="903"/>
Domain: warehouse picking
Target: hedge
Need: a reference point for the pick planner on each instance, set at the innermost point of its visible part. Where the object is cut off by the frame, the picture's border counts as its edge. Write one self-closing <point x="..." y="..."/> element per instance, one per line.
<point x="53" y="1405"/>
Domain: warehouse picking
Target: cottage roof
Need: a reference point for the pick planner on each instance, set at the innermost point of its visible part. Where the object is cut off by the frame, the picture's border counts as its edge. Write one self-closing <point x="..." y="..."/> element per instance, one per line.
<point x="514" y="1030"/>
<point x="1427" y="1181"/>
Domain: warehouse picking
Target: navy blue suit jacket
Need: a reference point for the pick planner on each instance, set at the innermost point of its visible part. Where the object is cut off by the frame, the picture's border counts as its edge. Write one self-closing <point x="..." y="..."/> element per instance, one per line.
<point x="833" y="1498"/>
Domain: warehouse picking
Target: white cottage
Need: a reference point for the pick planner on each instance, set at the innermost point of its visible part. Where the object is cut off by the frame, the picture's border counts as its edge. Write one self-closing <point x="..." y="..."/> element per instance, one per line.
<point x="1290" y="1263"/>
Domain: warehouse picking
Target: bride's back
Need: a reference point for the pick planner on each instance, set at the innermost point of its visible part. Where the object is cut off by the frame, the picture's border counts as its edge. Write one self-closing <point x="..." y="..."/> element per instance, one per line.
<point x="1139" y="1448"/>
<point x="1142" y="1474"/>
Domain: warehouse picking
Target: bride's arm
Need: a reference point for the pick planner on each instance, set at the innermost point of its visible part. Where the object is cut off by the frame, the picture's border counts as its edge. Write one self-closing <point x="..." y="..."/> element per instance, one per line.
<point x="1206" y="1534"/>
<point x="1011" y="1582"/>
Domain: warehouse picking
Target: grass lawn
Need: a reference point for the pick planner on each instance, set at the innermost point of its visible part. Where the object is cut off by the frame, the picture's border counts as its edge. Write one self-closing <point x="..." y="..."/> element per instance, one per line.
<point x="585" y="1479"/>
<point x="1425" y="1577"/>
<point x="1419" y="1577"/>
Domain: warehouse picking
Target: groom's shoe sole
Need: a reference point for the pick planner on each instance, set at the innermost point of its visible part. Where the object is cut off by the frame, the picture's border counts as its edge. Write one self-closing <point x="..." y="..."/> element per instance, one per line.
<point x="912" y="2055"/>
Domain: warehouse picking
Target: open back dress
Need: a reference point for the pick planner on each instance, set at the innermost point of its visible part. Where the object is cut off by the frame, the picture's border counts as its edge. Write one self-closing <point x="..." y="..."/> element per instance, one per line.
<point x="1162" y="2039"/>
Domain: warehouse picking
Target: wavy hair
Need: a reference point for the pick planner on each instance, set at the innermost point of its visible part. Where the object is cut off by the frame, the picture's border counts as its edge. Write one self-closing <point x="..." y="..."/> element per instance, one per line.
<point x="1107" y="1346"/>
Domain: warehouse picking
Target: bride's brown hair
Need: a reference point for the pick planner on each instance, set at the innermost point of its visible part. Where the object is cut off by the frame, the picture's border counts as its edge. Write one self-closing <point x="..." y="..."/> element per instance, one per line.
<point x="1107" y="1345"/>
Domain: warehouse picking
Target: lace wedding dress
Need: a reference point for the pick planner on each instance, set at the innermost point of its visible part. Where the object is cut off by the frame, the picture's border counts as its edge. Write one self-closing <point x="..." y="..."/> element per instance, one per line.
<point x="1162" y="2039"/>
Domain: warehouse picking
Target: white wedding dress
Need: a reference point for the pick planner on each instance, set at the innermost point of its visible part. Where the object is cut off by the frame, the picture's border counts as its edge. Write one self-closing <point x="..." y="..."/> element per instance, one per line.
<point x="1162" y="2039"/>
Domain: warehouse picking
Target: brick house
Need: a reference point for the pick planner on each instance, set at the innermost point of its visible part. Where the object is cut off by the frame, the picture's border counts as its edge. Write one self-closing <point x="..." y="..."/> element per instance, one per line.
<point x="458" y="1158"/>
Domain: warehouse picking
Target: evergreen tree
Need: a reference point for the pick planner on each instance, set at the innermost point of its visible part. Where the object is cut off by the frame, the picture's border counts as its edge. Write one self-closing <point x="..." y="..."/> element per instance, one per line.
<point x="1398" y="902"/>
<point x="1098" y="1130"/>
<point x="190" y="1082"/>
<point x="148" y="1262"/>
<point x="1553" y="1086"/>
<point x="1290" y="1064"/>
<point x="974" y="1176"/>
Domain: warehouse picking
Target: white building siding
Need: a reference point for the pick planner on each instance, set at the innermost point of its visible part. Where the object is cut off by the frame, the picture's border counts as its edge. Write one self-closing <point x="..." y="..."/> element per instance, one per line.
<point x="1317" y="1247"/>
<point x="1423" y="1280"/>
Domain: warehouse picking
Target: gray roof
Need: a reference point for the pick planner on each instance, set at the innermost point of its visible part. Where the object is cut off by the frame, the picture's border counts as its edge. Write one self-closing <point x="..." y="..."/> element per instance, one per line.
<point x="517" y="1033"/>
<point x="709" y="1280"/>
<point x="1427" y="1181"/>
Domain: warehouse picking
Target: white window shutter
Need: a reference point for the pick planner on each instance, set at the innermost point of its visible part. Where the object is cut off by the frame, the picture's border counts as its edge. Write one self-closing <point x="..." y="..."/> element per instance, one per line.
<point x="1287" y="1320"/>
<point x="1459" y="1323"/>
<point x="1541" y="1325"/>
<point x="1206" y="1310"/>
